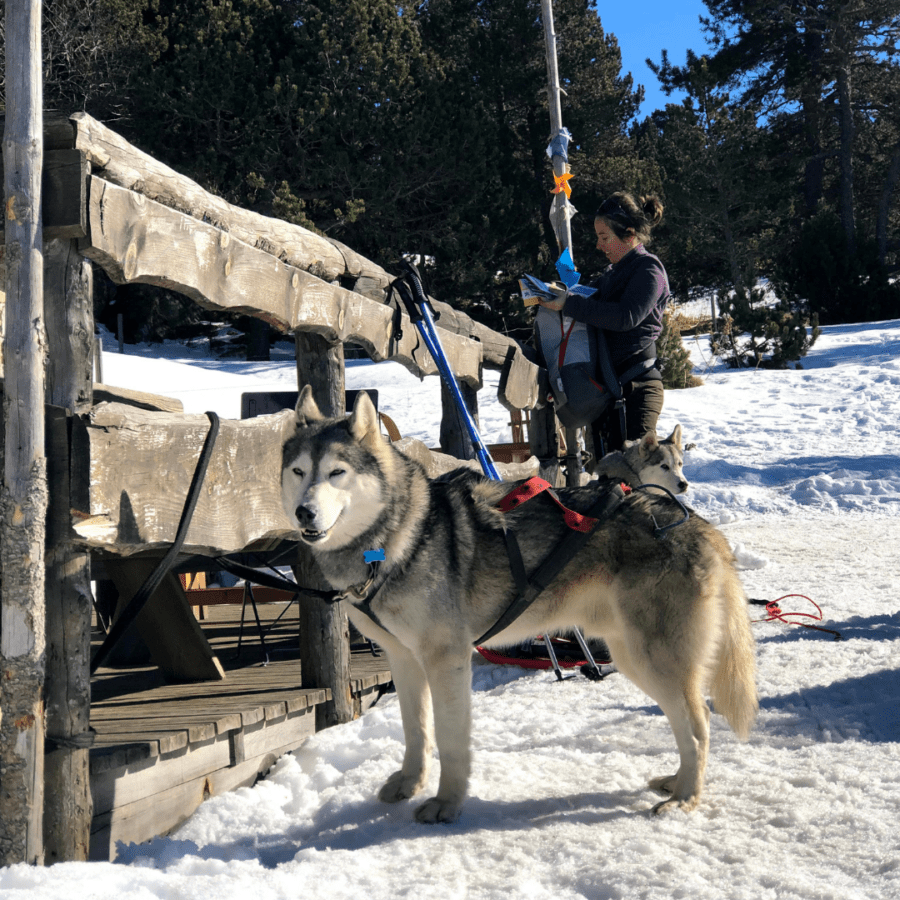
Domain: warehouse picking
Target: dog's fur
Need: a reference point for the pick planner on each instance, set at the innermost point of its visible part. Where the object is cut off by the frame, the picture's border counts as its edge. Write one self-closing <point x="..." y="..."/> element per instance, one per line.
<point x="671" y="609"/>
<point x="647" y="461"/>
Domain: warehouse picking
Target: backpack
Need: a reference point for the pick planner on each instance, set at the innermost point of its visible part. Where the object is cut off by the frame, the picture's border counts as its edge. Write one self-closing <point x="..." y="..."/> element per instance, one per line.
<point x="576" y="355"/>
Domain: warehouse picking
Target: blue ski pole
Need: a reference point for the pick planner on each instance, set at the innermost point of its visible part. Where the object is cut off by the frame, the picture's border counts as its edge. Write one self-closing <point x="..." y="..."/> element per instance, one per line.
<point x="420" y="314"/>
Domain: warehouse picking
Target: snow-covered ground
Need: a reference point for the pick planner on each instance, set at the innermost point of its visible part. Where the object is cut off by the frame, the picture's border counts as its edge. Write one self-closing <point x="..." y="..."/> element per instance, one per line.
<point x="801" y="469"/>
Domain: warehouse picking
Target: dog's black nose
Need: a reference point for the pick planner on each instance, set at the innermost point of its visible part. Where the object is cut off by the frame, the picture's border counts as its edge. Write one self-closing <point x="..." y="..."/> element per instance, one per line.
<point x="304" y="515"/>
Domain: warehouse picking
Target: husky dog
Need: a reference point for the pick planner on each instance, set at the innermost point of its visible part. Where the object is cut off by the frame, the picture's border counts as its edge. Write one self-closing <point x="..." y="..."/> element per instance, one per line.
<point x="668" y="602"/>
<point x="647" y="461"/>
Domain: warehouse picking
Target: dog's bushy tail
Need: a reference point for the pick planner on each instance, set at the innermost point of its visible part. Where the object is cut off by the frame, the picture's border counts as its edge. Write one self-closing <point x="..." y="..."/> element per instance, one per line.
<point x="733" y="688"/>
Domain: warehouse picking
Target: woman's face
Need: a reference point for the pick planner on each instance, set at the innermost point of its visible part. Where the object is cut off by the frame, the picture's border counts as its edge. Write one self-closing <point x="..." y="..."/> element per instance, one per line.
<point x="610" y="243"/>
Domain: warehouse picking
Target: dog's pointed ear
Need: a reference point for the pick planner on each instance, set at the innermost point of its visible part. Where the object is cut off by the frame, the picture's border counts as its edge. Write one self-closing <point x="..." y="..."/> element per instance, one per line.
<point x="675" y="437"/>
<point x="364" y="418"/>
<point x="306" y="410"/>
<point x="649" y="442"/>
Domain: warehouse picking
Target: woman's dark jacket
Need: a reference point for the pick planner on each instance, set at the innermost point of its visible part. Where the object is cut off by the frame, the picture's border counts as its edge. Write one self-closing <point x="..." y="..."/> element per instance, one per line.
<point x="629" y="304"/>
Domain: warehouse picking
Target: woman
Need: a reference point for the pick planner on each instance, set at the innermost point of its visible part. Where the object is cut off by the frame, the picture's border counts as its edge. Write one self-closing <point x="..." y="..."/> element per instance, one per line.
<point x="628" y="306"/>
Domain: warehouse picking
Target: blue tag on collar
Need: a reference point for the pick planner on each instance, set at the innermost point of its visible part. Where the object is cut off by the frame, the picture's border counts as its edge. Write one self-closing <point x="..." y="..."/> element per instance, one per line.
<point x="371" y="556"/>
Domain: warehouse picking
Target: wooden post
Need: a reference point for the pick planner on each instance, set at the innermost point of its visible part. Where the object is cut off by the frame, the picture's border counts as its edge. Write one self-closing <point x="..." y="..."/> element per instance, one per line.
<point x="68" y="301"/>
<point x="454" y="437"/>
<point x="544" y="444"/>
<point x="324" y="628"/>
<point x="23" y="500"/>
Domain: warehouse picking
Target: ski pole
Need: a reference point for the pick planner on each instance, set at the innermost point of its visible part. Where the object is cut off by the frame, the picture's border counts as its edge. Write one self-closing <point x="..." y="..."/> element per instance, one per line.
<point x="419" y="311"/>
<point x="420" y="314"/>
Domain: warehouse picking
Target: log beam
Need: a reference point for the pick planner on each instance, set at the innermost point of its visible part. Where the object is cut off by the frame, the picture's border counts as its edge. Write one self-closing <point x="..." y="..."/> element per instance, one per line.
<point x="132" y="469"/>
<point x="136" y="239"/>
<point x="119" y="163"/>
<point x="135" y="468"/>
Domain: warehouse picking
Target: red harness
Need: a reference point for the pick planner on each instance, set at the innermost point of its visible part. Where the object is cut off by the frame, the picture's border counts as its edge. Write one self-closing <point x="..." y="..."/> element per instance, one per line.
<point x="534" y="486"/>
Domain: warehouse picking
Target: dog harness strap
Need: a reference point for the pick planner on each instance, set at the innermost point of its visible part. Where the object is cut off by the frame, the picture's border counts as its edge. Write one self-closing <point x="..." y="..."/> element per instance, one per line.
<point x="553" y="565"/>
<point x="516" y="563"/>
<point x="534" y="486"/>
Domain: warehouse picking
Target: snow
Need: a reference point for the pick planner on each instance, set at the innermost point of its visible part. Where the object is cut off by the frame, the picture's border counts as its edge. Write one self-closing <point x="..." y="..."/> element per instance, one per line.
<point x="801" y="469"/>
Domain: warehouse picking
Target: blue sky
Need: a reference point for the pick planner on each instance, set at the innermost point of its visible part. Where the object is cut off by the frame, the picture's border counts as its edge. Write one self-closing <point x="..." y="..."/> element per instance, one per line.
<point x="646" y="28"/>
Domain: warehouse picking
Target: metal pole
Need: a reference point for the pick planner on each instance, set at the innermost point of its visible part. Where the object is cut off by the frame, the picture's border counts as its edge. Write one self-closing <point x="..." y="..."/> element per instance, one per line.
<point x="561" y="225"/>
<point x="559" y="219"/>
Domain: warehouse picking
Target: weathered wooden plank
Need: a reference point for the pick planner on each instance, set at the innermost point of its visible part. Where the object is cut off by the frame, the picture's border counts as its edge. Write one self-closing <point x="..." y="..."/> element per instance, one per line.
<point x="110" y="753"/>
<point x="222" y="718"/>
<point x="196" y="732"/>
<point x="119" y="162"/>
<point x="125" y="165"/>
<point x="140" y="468"/>
<point x="104" y="393"/>
<point x="167" y="740"/>
<point x="437" y="464"/>
<point x="152" y="776"/>
<point x="162" y="802"/>
<point x="137" y="468"/>
<point x="136" y="239"/>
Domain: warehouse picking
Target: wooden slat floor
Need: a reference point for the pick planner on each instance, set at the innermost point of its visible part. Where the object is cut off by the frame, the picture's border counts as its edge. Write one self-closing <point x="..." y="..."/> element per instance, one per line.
<point x="137" y="715"/>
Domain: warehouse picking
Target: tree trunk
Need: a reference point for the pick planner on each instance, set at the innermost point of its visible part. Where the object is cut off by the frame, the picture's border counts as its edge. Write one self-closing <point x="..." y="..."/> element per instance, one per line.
<point x="811" y="104"/>
<point x="258" y="345"/>
<point x="23" y="500"/>
<point x="884" y="206"/>
<point x="324" y="628"/>
<point x="846" y="157"/>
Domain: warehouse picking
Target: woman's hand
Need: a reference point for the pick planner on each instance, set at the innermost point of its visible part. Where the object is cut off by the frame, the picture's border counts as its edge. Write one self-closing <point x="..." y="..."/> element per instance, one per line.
<point x="556" y="305"/>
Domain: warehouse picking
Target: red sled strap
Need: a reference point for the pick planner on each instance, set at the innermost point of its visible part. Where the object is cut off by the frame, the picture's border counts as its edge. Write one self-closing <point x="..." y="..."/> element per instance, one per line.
<point x="530" y="489"/>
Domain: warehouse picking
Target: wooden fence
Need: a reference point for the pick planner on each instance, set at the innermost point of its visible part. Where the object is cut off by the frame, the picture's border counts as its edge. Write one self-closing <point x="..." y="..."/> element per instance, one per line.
<point x="121" y="469"/>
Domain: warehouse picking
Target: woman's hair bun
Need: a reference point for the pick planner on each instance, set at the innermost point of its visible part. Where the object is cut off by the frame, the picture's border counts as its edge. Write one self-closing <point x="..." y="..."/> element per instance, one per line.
<point x="652" y="208"/>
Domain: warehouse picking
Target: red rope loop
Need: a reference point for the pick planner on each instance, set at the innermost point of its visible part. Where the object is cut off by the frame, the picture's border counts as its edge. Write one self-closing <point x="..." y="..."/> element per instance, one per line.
<point x="774" y="613"/>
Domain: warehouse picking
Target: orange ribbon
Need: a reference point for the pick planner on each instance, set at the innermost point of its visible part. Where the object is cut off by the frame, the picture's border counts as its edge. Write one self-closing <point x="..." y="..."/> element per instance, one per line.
<point x="562" y="184"/>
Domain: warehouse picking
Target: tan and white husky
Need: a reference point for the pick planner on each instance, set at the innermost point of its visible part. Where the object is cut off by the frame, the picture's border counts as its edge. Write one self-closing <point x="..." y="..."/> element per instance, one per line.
<point x="668" y="602"/>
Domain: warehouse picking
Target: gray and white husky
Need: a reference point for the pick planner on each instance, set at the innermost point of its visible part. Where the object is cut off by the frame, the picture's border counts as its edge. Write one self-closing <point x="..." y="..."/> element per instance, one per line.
<point x="647" y="461"/>
<point x="669" y="604"/>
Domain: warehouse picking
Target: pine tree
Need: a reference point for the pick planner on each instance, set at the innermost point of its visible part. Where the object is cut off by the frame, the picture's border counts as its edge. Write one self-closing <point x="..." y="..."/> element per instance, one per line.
<point x="719" y="191"/>
<point x="752" y="328"/>
<point x="675" y="363"/>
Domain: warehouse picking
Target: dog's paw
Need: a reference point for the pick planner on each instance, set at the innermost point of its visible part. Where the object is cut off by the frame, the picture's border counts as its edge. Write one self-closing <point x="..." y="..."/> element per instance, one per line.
<point x="672" y="803"/>
<point x="400" y="787"/>
<point x="437" y="810"/>
<point x="664" y="784"/>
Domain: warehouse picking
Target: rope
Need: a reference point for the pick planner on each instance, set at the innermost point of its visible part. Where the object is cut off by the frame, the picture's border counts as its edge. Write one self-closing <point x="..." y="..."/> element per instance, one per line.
<point x="774" y="613"/>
